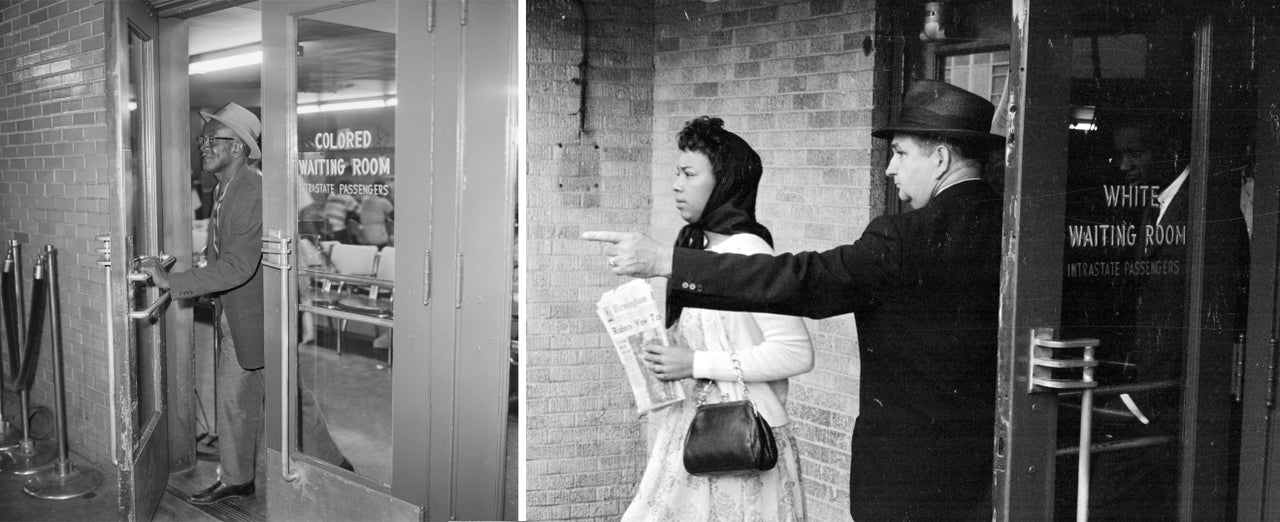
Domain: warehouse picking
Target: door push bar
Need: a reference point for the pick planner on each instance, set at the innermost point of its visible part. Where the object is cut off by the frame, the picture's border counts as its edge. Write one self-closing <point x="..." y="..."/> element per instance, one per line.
<point x="279" y="247"/>
<point x="137" y="276"/>
<point x="1041" y="379"/>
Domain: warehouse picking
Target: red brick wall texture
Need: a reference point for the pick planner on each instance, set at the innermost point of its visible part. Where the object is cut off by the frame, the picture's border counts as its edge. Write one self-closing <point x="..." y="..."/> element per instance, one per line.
<point x="792" y="79"/>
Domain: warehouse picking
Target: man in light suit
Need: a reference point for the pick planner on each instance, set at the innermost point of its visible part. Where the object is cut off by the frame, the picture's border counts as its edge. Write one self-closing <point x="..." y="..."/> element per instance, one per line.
<point x="924" y="289"/>
<point x="232" y="273"/>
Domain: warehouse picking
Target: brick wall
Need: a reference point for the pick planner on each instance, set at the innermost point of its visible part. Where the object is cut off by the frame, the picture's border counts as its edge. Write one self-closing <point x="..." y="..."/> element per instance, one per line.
<point x="585" y="448"/>
<point x="792" y="79"/>
<point x="54" y="187"/>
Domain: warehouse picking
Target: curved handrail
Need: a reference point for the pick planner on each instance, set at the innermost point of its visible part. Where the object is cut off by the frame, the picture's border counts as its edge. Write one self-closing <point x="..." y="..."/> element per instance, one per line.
<point x="347" y="278"/>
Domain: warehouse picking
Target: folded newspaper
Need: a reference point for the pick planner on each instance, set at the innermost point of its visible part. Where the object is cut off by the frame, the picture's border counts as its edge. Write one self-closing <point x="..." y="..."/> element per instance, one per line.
<point x="632" y="319"/>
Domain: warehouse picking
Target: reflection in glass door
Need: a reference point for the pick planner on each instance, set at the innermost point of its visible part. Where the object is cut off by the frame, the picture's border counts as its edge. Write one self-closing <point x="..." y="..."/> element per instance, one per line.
<point x="1135" y="237"/>
<point x="393" y="194"/>
<point x="346" y="89"/>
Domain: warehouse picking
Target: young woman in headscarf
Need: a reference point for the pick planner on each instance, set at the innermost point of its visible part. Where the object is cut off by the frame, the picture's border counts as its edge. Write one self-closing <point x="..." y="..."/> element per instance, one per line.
<point x="717" y="176"/>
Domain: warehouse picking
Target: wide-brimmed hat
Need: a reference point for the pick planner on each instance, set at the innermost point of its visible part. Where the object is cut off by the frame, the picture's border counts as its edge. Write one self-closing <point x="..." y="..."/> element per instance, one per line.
<point x="242" y="122"/>
<point x="934" y="108"/>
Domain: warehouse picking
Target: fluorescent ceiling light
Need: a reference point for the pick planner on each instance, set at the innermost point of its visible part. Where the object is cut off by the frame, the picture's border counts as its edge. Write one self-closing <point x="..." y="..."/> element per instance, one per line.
<point x="346" y="106"/>
<point x="1083" y="118"/>
<point x="226" y="62"/>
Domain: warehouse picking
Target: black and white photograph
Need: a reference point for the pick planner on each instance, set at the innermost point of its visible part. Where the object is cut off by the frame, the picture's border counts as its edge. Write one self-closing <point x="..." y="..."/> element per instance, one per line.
<point x="639" y="260"/>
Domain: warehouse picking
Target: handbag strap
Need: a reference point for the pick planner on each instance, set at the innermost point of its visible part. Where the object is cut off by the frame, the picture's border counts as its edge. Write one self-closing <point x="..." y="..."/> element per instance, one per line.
<point x="733" y="356"/>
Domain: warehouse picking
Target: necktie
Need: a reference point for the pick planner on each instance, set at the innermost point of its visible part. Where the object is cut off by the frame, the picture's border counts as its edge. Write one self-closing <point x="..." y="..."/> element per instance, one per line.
<point x="215" y="217"/>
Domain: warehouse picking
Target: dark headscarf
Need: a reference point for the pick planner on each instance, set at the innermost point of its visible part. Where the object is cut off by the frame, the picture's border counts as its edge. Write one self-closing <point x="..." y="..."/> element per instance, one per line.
<point x="731" y="207"/>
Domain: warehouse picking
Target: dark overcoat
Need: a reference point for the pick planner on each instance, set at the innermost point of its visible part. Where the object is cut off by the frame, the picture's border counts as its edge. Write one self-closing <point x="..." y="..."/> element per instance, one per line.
<point x="233" y="271"/>
<point x="924" y="290"/>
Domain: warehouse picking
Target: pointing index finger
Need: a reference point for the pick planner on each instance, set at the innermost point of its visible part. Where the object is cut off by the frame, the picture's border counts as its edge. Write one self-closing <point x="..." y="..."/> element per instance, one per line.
<point x="604" y="236"/>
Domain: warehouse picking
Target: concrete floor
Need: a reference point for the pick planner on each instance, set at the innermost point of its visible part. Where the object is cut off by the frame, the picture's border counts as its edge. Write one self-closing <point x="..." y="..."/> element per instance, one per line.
<point x="354" y="393"/>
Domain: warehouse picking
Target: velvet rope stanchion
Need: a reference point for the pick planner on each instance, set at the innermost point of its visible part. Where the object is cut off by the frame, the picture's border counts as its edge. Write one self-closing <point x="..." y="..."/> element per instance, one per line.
<point x="65" y="480"/>
<point x="10" y="436"/>
<point x="30" y="455"/>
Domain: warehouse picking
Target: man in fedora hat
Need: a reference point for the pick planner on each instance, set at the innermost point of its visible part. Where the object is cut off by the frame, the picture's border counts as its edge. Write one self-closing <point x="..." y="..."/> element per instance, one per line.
<point x="923" y="286"/>
<point x="232" y="274"/>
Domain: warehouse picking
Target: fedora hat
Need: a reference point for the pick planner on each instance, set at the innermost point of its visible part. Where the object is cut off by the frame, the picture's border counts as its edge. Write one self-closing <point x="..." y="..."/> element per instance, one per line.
<point x="934" y="108"/>
<point x="242" y="122"/>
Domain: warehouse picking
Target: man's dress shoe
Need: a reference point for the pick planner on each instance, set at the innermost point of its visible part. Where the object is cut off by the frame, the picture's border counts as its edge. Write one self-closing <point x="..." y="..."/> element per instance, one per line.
<point x="219" y="492"/>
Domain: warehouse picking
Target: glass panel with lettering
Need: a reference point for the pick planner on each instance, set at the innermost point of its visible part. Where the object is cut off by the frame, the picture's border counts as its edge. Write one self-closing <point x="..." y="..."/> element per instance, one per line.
<point x="1126" y="273"/>
<point x="346" y="234"/>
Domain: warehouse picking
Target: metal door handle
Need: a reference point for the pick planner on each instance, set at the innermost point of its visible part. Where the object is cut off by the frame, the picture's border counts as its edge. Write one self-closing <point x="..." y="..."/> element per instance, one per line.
<point x="137" y="276"/>
<point x="151" y="309"/>
<point x="279" y="247"/>
<point x="1042" y="348"/>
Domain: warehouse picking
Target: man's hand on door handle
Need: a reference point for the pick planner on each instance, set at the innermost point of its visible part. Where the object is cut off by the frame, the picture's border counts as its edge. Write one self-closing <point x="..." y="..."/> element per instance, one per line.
<point x="154" y="267"/>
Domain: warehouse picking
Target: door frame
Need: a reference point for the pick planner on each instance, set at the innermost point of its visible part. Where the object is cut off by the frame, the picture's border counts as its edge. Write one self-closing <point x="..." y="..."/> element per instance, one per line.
<point x="1025" y="423"/>
<point x="454" y="264"/>
<point x="1259" y="494"/>
<point x="1040" y="83"/>
<point x="298" y="486"/>
<point x="142" y="469"/>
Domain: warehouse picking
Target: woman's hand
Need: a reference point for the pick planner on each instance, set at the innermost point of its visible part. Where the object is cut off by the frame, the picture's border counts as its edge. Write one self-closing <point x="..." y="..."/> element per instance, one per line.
<point x="669" y="363"/>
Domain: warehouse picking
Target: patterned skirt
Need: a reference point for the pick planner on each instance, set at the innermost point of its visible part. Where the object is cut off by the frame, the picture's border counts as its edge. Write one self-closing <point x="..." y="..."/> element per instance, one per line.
<point x="667" y="492"/>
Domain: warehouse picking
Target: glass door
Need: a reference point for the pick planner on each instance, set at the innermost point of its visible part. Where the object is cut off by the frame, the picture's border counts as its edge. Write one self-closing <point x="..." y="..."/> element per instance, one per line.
<point x="137" y="309"/>
<point x="390" y="182"/>
<point x="1127" y="273"/>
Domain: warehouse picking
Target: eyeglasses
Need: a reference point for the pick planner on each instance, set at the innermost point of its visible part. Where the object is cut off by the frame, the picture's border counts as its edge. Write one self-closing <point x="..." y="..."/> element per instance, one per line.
<point x="209" y="140"/>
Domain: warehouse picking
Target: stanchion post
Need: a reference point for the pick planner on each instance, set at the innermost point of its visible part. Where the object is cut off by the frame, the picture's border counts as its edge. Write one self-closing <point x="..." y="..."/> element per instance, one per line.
<point x="10" y="437"/>
<point x="29" y="457"/>
<point x="63" y="481"/>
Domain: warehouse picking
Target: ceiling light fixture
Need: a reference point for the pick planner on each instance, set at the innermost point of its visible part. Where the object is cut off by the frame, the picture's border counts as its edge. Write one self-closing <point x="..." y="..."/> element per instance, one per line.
<point x="226" y="62"/>
<point x="346" y="105"/>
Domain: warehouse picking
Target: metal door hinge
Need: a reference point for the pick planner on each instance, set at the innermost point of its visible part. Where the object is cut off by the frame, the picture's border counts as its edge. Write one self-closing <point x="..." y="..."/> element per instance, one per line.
<point x="426" y="278"/>
<point x="459" y="282"/>
<point x="1237" y="368"/>
<point x="1271" y="376"/>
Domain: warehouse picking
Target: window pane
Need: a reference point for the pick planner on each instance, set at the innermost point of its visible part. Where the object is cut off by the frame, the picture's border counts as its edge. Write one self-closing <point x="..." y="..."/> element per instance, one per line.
<point x="346" y="146"/>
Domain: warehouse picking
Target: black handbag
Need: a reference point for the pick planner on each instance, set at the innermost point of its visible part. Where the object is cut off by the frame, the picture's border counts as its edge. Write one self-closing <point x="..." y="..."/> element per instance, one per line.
<point x="728" y="438"/>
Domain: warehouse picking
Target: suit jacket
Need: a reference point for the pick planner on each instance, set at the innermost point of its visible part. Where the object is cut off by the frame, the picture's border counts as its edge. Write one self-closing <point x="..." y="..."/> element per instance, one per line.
<point x="1160" y="298"/>
<point x="924" y="289"/>
<point x="233" y="270"/>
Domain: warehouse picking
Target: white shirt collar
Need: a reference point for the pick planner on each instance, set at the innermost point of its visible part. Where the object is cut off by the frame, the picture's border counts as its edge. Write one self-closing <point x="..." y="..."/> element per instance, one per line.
<point x="1169" y="192"/>
<point x="954" y="183"/>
